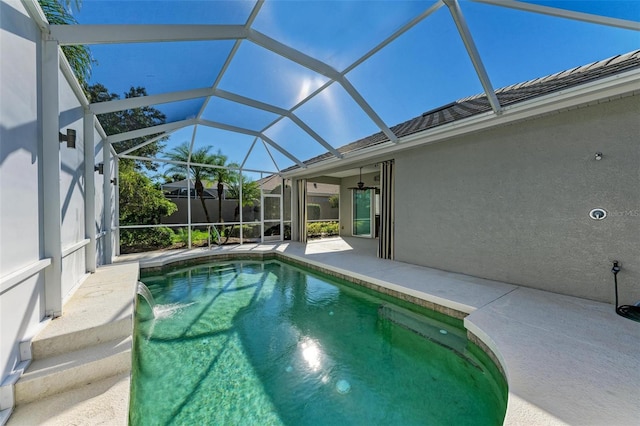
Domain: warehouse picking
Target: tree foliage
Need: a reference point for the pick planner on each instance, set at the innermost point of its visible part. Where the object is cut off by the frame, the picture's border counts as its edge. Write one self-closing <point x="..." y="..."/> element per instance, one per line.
<point x="146" y="203"/>
<point x="250" y="196"/>
<point x="222" y="176"/>
<point x="79" y="57"/>
<point x="142" y="203"/>
<point x="127" y="120"/>
<point x="250" y="191"/>
<point x="198" y="173"/>
<point x="334" y="201"/>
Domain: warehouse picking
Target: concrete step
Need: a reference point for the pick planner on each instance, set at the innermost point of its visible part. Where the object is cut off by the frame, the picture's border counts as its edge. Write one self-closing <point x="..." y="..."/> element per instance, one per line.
<point x="55" y="374"/>
<point x="100" y="310"/>
<point x="104" y="402"/>
<point x="43" y="346"/>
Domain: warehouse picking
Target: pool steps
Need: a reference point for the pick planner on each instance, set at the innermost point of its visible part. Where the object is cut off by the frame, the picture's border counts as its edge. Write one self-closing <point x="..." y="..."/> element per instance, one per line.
<point x="54" y="374"/>
<point x="91" y="342"/>
<point x="447" y="336"/>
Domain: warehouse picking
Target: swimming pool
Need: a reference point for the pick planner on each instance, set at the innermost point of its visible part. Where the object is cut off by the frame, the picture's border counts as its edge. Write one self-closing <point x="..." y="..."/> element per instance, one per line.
<point x="243" y="343"/>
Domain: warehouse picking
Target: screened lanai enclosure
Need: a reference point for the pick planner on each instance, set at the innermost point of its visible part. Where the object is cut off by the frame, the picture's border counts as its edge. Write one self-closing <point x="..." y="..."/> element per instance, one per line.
<point x="276" y="87"/>
<point x="492" y="138"/>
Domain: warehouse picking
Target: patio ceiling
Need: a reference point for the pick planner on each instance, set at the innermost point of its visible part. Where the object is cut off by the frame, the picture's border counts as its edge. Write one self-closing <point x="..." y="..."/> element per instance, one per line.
<point x="273" y="83"/>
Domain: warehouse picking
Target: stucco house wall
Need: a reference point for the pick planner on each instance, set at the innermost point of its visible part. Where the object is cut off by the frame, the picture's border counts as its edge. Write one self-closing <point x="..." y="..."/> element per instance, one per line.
<point x="181" y="215"/>
<point x="512" y="203"/>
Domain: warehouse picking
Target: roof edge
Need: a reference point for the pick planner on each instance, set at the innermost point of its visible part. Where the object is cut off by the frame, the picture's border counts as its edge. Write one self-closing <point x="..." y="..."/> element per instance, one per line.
<point x="627" y="83"/>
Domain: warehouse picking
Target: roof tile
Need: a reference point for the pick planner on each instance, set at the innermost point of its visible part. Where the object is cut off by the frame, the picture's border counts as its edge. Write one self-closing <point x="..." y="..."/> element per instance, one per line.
<point x="509" y="95"/>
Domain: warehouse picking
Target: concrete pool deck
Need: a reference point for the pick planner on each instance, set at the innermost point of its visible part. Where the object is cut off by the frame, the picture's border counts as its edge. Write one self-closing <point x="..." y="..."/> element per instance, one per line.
<point x="567" y="360"/>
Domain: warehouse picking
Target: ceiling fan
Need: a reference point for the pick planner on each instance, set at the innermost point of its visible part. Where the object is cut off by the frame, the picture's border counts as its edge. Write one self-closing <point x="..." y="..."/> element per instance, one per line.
<point x="360" y="185"/>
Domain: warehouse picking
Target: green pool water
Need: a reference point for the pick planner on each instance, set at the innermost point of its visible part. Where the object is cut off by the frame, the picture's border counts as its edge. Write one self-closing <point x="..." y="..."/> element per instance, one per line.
<point x="250" y="343"/>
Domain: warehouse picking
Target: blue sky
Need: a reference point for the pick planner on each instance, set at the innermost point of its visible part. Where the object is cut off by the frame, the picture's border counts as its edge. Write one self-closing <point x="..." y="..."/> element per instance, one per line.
<point x="425" y="68"/>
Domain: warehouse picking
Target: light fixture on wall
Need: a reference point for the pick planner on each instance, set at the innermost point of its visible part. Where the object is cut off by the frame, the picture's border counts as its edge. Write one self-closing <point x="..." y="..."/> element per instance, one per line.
<point x="598" y="214"/>
<point x="598" y="156"/>
<point x="69" y="138"/>
<point x="114" y="181"/>
<point x="99" y="168"/>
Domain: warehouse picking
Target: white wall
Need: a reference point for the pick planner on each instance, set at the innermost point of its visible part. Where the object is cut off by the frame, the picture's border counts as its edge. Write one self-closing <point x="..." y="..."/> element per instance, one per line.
<point x="512" y="203"/>
<point x="19" y="154"/>
<point x="72" y="188"/>
<point x="22" y="262"/>
<point x="21" y="302"/>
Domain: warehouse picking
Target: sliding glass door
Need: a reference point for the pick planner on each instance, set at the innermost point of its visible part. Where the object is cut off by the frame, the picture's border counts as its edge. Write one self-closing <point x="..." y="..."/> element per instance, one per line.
<point x="362" y="212"/>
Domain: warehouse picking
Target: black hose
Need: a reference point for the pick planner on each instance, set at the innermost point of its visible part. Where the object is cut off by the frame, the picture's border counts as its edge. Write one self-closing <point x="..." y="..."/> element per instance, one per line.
<point x="615" y="270"/>
<point x="628" y="311"/>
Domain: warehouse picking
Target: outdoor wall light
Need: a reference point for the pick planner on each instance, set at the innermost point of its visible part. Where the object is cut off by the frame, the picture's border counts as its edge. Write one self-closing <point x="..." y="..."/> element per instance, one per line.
<point x="598" y="156"/>
<point x="99" y="168"/>
<point x="69" y="138"/>
<point x="114" y="181"/>
<point x="598" y="214"/>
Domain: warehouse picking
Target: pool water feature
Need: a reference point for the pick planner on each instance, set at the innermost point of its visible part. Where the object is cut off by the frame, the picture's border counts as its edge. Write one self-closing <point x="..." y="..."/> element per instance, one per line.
<point x="270" y="343"/>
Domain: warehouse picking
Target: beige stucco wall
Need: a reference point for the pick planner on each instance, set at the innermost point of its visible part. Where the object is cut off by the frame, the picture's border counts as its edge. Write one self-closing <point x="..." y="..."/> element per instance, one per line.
<point x="512" y="203"/>
<point x="249" y="213"/>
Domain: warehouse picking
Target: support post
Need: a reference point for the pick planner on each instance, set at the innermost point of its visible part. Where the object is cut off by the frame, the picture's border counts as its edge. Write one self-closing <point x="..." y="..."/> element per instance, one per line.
<point x="50" y="169"/>
<point x="116" y="213"/>
<point x="281" y="208"/>
<point x="240" y="180"/>
<point x="188" y="174"/>
<point x="295" y="235"/>
<point x="108" y="208"/>
<point x="89" y="191"/>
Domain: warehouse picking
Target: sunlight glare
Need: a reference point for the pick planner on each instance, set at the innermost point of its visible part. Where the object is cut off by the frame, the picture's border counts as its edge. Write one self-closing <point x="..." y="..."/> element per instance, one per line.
<point x="307" y="86"/>
<point x="312" y="354"/>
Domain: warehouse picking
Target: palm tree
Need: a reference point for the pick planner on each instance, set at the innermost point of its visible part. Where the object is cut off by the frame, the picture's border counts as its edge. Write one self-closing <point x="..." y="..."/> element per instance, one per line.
<point x="58" y="12"/>
<point x="199" y="156"/>
<point x="250" y="194"/>
<point x="221" y="175"/>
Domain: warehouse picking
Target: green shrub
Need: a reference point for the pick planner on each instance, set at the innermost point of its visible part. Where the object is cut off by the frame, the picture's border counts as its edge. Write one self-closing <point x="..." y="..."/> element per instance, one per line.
<point x="322" y="229"/>
<point x="199" y="237"/>
<point x="135" y="240"/>
<point x="248" y="231"/>
<point x="334" y="201"/>
<point x="142" y="204"/>
<point x="180" y="236"/>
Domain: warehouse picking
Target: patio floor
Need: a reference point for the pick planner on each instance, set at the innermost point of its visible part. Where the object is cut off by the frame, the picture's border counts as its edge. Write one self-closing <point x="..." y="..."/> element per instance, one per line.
<point x="567" y="360"/>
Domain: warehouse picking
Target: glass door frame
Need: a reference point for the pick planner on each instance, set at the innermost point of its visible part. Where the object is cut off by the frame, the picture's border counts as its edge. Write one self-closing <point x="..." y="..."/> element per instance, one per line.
<point x="279" y="221"/>
<point x="372" y="211"/>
